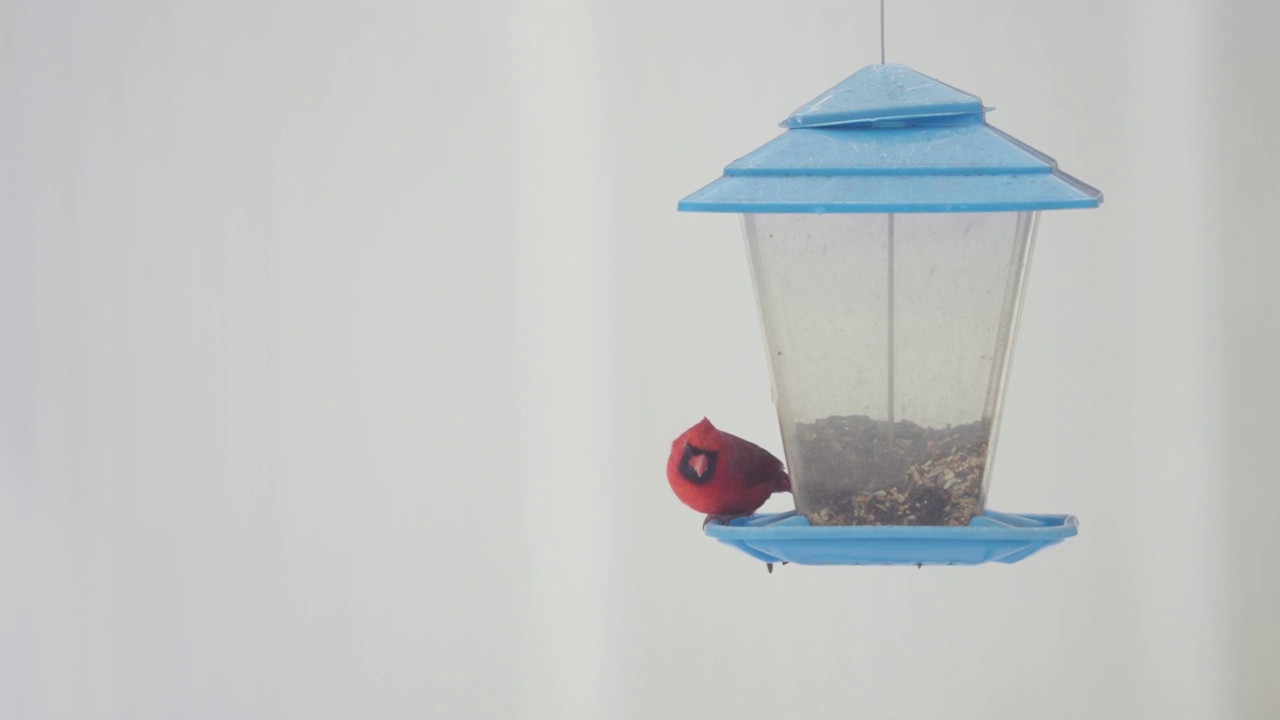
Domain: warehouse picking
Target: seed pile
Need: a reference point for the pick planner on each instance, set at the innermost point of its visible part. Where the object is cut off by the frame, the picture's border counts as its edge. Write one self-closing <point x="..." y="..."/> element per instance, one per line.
<point x="855" y="473"/>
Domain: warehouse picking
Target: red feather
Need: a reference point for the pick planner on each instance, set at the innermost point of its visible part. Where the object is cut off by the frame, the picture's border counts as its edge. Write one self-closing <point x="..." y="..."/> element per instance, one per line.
<point x="717" y="473"/>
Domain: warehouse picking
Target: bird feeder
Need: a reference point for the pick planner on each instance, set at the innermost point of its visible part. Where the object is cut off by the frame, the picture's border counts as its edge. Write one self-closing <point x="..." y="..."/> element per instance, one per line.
<point x="888" y="231"/>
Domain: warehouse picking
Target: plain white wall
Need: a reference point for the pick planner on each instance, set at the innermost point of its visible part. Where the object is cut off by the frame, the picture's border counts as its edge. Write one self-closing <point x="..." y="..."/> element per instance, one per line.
<point x="341" y="345"/>
<point x="1245" y="93"/>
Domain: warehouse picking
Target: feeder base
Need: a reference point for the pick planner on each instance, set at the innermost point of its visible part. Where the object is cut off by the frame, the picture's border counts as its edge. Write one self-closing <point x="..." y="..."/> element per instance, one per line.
<point x="990" y="537"/>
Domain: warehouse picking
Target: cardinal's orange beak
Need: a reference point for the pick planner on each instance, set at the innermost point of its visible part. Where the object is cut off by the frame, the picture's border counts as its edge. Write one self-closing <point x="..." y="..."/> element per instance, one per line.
<point x="699" y="464"/>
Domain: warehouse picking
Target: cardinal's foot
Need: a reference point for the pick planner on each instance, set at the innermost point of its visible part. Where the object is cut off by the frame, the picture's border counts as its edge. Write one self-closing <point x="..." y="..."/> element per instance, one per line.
<point x="722" y="519"/>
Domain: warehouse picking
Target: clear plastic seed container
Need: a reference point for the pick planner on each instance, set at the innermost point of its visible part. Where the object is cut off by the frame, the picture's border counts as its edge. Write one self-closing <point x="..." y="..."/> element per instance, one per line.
<point x="889" y="339"/>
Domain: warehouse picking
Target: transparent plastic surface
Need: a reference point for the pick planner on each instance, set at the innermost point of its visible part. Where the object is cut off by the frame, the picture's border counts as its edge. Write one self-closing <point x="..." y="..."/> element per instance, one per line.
<point x="889" y="339"/>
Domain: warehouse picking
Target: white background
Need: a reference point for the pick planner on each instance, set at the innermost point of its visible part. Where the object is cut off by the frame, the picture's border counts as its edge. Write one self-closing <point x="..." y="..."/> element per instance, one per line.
<point x="341" y="344"/>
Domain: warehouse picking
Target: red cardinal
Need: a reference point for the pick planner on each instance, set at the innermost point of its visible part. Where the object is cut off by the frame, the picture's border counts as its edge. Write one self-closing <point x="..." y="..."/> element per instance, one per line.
<point x="723" y="475"/>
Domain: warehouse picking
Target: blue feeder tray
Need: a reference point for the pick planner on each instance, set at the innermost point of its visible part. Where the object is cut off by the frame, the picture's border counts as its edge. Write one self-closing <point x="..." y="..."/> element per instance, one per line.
<point x="990" y="537"/>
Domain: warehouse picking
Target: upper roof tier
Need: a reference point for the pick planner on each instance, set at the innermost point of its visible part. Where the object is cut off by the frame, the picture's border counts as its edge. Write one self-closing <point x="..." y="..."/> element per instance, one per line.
<point x="887" y="95"/>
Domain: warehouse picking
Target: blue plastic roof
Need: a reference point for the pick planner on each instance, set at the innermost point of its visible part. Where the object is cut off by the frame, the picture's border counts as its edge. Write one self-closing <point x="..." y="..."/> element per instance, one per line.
<point x="889" y="139"/>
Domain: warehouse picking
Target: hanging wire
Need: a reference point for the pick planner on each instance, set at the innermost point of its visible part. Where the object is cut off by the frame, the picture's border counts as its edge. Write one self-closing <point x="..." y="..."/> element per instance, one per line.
<point x="889" y="247"/>
<point x="881" y="32"/>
